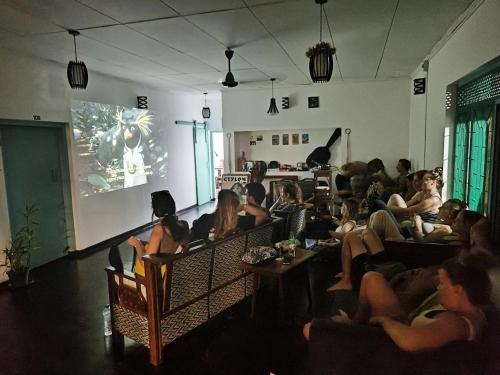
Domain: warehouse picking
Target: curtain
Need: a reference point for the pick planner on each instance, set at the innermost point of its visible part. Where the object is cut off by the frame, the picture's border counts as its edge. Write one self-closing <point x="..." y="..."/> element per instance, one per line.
<point x="477" y="157"/>
<point x="460" y="157"/>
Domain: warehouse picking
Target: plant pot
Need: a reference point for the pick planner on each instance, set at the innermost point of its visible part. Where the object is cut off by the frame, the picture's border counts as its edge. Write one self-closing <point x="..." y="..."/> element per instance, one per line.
<point x="19" y="278"/>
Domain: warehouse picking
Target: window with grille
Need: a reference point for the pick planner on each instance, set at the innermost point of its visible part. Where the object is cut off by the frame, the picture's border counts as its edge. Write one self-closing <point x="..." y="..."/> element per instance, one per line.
<point x="472" y="157"/>
<point x="473" y="140"/>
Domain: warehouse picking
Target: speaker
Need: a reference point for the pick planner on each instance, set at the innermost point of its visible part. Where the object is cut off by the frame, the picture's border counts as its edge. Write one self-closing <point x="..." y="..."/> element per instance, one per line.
<point x="419" y="86"/>
<point x="142" y="102"/>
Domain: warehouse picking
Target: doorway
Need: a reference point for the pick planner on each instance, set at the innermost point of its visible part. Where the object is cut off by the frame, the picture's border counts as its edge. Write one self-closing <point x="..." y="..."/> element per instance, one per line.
<point x="36" y="173"/>
<point x="217" y="161"/>
<point x="202" y="163"/>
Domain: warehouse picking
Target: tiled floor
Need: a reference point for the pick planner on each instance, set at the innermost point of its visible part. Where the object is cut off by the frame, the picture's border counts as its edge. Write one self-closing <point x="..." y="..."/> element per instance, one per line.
<point x="56" y="327"/>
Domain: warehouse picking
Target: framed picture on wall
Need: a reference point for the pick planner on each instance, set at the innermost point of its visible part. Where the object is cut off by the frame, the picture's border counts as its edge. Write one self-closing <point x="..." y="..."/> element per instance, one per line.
<point x="285" y="139"/>
<point x="305" y="138"/>
<point x="295" y="139"/>
<point x="275" y="140"/>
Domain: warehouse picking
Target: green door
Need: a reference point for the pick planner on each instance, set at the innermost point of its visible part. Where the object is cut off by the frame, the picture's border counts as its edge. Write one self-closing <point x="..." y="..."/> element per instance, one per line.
<point x="202" y="161"/>
<point x="33" y="159"/>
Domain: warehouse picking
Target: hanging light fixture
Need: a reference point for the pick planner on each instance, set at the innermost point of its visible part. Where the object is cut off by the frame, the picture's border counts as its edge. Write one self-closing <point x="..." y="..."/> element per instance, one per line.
<point x="321" y="55"/>
<point x="205" y="112"/>
<point x="273" y="110"/>
<point x="78" y="76"/>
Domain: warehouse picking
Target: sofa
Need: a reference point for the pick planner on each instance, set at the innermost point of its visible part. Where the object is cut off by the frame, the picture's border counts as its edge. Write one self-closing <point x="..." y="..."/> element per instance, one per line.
<point x="196" y="286"/>
<point x="343" y="349"/>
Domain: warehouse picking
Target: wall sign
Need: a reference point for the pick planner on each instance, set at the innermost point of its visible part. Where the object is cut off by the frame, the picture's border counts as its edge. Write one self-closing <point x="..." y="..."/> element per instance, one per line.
<point x="313" y="101"/>
<point x="229" y="179"/>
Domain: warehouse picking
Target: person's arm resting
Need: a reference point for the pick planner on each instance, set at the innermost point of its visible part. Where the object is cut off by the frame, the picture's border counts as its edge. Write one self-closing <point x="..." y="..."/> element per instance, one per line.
<point x="260" y="215"/>
<point x="437" y="334"/>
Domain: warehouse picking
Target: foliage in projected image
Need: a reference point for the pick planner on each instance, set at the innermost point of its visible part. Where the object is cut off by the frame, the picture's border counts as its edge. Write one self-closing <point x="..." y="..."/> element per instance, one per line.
<point x="117" y="147"/>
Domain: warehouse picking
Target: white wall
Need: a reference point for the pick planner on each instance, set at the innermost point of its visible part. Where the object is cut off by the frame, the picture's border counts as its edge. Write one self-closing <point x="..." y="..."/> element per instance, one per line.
<point x="475" y="43"/>
<point x="34" y="86"/>
<point x="377" y="112"/>
<point x="417" y="146"/>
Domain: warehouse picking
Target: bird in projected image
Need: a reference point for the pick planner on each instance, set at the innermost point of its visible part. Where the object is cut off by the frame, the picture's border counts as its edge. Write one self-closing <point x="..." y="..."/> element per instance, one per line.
<point x="123" y="146"/>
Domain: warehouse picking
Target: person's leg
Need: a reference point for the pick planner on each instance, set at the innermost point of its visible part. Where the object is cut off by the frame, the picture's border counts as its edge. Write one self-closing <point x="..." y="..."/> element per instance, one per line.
<point x="376" y="298"/>
<point x="372" y="241"/>
<point x="396" y="200"/>
<point x="352" y="246"/>
<point x="385" y="226"/>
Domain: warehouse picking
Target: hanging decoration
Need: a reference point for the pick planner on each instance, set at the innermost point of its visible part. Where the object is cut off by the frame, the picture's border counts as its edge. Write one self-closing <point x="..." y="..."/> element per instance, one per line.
<point x="321" y="55"/>
<point x="205" y="112"/>
<point x="78" y="76"/>
<point x="273" y="109"/>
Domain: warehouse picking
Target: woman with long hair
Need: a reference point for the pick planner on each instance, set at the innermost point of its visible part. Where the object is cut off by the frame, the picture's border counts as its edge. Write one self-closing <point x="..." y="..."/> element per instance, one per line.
<point x="166" y="237"/>
<point x="224" y="221"/>
<point x="226" y="214"/>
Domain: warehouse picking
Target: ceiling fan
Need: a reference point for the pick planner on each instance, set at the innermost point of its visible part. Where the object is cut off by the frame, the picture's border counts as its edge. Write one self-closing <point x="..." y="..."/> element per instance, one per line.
<point x="229" y="81"/>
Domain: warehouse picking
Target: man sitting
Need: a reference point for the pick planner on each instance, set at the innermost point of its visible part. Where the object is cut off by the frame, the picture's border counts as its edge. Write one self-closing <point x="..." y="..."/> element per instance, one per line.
<point x="256" y="193"/>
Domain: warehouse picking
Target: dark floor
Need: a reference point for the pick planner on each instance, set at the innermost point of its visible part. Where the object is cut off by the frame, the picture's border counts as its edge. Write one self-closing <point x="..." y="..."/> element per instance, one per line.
<point x="56" y="327"/>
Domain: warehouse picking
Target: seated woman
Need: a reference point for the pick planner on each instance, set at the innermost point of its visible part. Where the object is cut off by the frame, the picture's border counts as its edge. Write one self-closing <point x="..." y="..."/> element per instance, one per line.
<point x="166" y="237"/>
<point x="349" y="211"/>
<point x="358" y="249"/>
<point x="464" y="291"/>
<point x="425" y="203"/>
<point x="289" y="196"/>
<point x="224" y="221"/>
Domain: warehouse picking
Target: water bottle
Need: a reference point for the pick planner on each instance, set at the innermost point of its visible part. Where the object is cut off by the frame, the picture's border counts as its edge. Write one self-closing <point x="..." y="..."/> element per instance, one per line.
<point x="106" y="314"/>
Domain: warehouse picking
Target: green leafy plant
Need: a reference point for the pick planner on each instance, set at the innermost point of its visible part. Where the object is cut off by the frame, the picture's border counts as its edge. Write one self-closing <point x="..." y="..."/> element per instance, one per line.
<point x="321" y="47"/>
<point x="18" y="254"/>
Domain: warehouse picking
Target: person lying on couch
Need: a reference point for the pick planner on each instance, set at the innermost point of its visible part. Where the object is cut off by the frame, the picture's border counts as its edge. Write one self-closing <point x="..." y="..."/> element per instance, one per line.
<point x="464" y="291"/>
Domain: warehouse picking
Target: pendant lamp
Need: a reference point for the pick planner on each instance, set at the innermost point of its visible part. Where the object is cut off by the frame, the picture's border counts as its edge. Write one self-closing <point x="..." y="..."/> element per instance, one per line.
<point x="205" y="112"/>
<point x="78" y="76"/>
<point x="273" y="110"/>
<point x="321" y="55"/>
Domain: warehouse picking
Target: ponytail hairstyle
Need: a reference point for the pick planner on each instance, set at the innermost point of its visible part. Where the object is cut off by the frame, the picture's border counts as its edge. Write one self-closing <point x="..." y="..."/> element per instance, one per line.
<point x="226" y="214"/>
<point x="437" y="175"/>
<point x="164" y="207"/>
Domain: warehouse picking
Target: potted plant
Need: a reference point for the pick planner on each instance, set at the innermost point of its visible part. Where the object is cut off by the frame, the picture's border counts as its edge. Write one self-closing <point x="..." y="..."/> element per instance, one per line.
<point x="18" y="253"/>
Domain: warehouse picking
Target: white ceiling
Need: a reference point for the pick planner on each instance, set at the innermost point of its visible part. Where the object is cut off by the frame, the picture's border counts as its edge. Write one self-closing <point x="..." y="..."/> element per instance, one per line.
<point x="179" y="44"/>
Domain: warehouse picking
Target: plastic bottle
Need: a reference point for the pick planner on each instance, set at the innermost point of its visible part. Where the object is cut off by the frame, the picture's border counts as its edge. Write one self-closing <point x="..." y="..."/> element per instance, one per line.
<point x="106" y="314"/>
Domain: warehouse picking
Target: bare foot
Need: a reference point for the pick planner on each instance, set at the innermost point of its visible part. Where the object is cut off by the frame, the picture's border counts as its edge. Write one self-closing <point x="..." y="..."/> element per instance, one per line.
<point x="341" y="285"/>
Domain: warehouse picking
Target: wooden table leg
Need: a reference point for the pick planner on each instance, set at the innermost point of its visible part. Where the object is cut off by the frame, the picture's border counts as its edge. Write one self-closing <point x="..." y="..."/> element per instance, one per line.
<point x="282" y="298"/>
<point x="256" y="283"/>
<point x="308" y="286"/>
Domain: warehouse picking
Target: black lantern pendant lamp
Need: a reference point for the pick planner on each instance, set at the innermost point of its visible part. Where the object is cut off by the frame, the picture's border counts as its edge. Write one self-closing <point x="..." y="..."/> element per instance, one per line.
<point x="321" y="55"/>
<point x="78" y="76"/>
<point x="205" y="112"/>
<point x="273" y="110"/>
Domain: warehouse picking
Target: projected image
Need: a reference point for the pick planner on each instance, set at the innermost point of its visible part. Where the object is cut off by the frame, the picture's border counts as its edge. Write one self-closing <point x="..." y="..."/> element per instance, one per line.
<point x="118" y="147"/>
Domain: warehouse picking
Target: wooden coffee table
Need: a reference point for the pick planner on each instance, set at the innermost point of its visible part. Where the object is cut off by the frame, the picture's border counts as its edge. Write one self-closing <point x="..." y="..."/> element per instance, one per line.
<point x="277" y="270"/>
